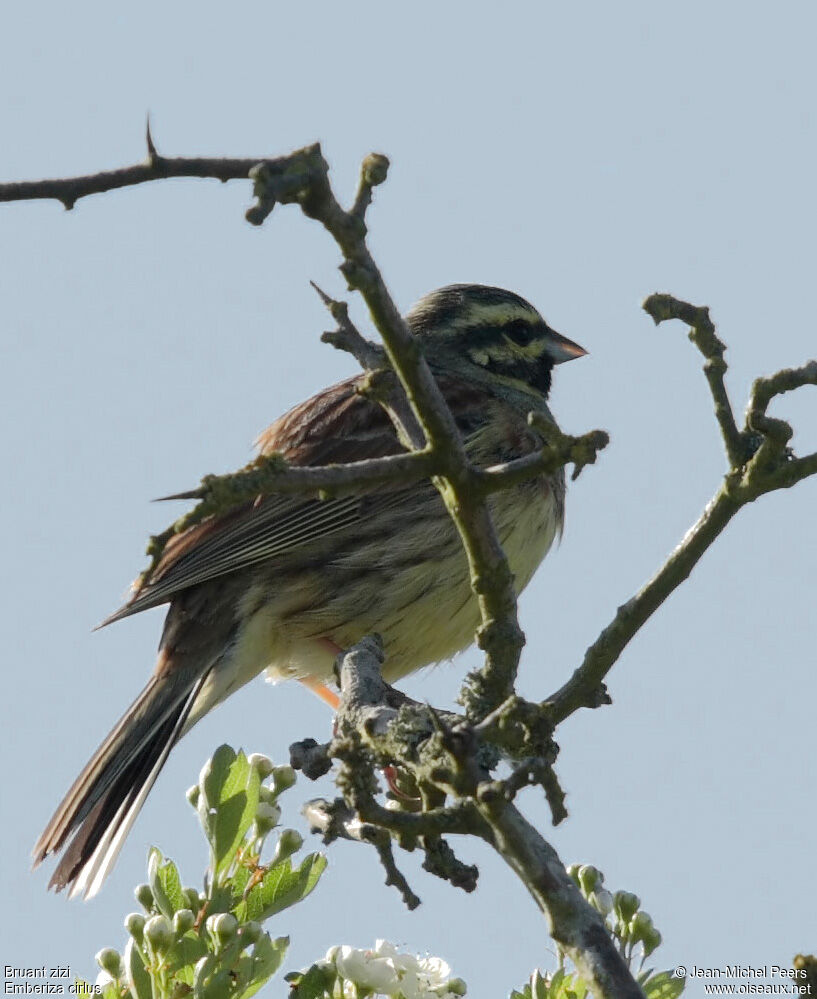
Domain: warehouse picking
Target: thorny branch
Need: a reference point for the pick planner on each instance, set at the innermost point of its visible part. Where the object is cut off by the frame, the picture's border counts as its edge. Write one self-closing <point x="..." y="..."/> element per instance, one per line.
<point x="449" y="758"/>
<point x="423" y="417"/>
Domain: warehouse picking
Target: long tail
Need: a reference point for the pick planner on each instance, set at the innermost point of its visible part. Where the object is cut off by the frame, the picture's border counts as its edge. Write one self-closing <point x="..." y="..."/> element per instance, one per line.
<point x="99" y="810"/>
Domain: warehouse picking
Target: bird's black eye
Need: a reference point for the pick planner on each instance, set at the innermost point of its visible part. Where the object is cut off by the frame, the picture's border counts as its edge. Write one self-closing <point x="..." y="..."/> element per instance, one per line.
<point x="520" y="331"/>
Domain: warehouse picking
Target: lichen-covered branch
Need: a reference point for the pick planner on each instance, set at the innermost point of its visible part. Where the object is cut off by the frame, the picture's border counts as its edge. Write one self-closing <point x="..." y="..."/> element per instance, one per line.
<point x="446" y="760"/>
<point x="338" y="821"/>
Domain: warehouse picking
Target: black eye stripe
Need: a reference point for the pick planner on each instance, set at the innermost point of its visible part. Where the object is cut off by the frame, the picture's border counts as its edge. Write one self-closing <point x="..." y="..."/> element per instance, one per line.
<point x="520" y="332"/>
<point x="536" y="375"/>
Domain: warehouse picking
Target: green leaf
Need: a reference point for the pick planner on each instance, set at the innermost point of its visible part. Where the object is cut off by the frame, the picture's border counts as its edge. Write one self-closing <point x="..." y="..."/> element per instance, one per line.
<point x="539" y="984"/>
<point x="663" y="985"/>
<point x="221" y="899"/>
<point x="227" y="804"/>
<point x="242" y="975"/>
<point x="211" y="981"/>
<point x="184" y="955"/>
<point x="239" y="882"/>
<point x="267" y="957"/>
<point x="578" y="988"/>
<point x="137" y="976"/>
<point x="280" y="888"/>
<point x="314" y="983"/>
<point x="165" y="884"/>
<point x="213" y="776"/>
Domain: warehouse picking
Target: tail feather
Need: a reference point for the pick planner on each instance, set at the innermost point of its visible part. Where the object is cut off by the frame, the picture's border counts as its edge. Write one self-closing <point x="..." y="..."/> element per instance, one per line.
<point x="103" y="803"/>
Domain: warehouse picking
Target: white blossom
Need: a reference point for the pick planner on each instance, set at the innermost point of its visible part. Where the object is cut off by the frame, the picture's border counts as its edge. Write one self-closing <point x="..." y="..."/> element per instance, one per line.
<point x="392" y="973"/>
<point x="364" y="967"/>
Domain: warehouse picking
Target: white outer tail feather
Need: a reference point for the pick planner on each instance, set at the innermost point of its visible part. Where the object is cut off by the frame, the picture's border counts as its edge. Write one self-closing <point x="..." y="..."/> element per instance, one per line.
<point x="99" y="865"/>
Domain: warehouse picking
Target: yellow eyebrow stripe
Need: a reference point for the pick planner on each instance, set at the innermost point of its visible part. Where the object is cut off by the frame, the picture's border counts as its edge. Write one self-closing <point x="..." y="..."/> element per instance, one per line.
<point x="493" y="315"/>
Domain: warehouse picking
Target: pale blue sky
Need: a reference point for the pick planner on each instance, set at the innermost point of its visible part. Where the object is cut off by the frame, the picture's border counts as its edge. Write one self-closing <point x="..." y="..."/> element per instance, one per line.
<point x="582" y="155"/>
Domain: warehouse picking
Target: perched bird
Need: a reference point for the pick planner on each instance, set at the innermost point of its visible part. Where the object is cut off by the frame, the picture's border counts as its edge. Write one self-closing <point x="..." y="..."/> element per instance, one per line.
<point x="284" y="582"/>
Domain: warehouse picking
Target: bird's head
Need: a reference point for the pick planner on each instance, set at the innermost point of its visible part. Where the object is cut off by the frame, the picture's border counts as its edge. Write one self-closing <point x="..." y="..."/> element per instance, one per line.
<point x="490" y="335"/>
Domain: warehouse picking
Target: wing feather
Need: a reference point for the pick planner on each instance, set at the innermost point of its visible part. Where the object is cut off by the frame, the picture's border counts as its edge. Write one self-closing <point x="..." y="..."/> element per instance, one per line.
<point x="338" y="425"/>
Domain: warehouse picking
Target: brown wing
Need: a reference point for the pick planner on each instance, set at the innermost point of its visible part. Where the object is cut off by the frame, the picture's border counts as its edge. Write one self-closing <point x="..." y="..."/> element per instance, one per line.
<point x="336" y="426"/>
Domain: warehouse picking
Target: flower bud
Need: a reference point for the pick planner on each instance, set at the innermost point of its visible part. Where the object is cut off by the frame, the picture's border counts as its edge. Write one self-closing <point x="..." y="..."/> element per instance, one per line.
<point x="251" y="932"/>
<point x="111" y="961"/>
<point x="222" y="927"/>
<point x="651" y="941"/>
<point x="158" y="933"/>
<point x="457" y="987"/>
<point x="144" y="896"/>
<point x="263" y="764"/>
<point x="194" y="900"/>
<point x="183" y="922"/>
<point x="283" y="778"/>
<point x="135" y="925"/>
<point x="193" y="794"/>
<point x="590" y="878"/>
<point x="602" y="901"/>
<point x="267" y="795"/>
<point x="573" y="873"/>
<point x="641" y="924"/>
<point x="266" y="817"/>
<point x="626" y="905"/>
<point x="289" y="842"/>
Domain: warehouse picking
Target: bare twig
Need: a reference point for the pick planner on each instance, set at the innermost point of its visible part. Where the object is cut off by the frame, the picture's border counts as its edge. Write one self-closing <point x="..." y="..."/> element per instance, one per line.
<point x="560" y="450"/>
<point x="382" y="384"/>
<point x="584" y="688"/>
<point x="337" y="821"/>
<point x="702" y="333"/>
<point x="348" y="337"/>
<point x="761" y="463"/>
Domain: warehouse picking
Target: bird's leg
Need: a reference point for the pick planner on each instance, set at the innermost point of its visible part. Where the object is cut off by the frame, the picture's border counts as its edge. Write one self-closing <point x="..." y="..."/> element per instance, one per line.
<point x="392" y="777"/>
<point x="325" y="694"/>
<point x="333" y="700"/>
<point x="316" y="686"/>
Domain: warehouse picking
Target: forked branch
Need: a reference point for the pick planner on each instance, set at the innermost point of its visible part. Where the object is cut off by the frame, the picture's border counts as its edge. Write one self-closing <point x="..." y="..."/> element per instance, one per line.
<point x="450" y="758"/>
<point x="760" y="461"/>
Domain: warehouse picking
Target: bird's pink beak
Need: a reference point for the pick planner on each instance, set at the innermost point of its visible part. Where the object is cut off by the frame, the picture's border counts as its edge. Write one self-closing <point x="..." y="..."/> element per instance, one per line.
<point x="560" y="349"/>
